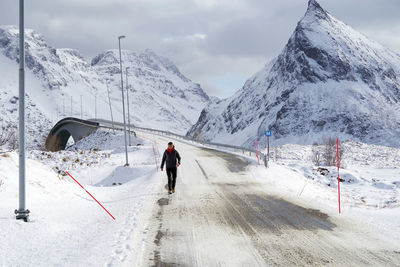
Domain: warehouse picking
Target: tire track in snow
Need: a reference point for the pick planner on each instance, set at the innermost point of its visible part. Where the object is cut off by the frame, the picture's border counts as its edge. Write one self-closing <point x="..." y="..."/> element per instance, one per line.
<point x="202" y="170"/>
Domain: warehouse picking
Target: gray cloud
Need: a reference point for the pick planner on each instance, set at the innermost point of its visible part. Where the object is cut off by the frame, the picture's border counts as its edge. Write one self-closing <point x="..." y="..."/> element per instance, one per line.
<point x="217" y="43"/>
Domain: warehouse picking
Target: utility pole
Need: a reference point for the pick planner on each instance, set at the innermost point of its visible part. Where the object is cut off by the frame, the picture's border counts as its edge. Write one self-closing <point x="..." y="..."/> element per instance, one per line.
<point x="127" y="98"/>
<point x="123" y="98"/>
<point x="22" y="213"/>
<point x="109" y="101"/>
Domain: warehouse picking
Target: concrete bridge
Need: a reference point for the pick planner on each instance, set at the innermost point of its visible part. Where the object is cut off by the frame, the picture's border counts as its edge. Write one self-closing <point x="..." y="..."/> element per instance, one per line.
<point x="61" y="132"/>
<point x="78" y="129"/>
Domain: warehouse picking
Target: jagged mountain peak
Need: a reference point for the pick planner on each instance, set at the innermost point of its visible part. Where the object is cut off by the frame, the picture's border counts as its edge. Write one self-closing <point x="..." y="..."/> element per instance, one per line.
<point x="152" y="59"/>
<point x="328" y="80"/>
<point x="146" y="59"/>
<point x="151" y="65"/>
<point x="149" y="53"/>
<point x="9" y="35"/>
<point x="315" y="9"/>
<point x="322" y="49"/>
<point x="105" y="58"/>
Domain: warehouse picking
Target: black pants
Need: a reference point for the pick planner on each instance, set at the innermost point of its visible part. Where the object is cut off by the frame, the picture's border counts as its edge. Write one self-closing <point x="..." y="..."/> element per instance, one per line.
<point x="171" y="173"/>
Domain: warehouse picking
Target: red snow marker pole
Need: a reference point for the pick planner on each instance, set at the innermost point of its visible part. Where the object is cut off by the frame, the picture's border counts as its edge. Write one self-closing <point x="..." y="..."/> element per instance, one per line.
<point x="338" y="178"/>
<point x="155" y="158"/>
<point x="158" y="152"/>
<point x="90" y="194"/>
<point x="258" y="159"/>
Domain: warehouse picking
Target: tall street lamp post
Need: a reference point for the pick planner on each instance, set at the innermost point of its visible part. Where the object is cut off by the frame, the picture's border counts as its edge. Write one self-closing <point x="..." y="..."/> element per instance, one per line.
<point x="123" y="98"/>
<point x="22" y="213"/>
<point x="109" y="102"/>
<point x="127" y="98"/>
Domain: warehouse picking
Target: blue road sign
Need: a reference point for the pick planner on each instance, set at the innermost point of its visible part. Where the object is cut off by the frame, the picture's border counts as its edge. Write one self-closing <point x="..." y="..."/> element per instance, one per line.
<point x="267" y="133"/>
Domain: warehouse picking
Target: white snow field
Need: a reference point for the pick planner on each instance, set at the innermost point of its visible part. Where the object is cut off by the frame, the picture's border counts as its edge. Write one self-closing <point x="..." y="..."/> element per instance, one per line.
<point x="227" y="210"/>
<point x="67" y="227"/>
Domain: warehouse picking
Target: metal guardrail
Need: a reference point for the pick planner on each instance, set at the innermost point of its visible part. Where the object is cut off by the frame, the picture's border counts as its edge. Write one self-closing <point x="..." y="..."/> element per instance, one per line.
<point x="250" y="152"/>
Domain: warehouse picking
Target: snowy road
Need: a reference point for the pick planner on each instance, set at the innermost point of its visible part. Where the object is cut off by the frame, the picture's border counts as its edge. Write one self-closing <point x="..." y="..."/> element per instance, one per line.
<point x="227" y="211"/>
<point x="221" y="216"/>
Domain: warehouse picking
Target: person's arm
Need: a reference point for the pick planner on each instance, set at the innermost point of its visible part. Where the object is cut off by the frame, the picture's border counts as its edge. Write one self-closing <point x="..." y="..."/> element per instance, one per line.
<point x="178" y="157"/>
<point x="163" y="160"/>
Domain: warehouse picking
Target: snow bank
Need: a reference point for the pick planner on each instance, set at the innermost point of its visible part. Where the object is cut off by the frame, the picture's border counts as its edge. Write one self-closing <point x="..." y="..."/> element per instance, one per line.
<point x="67" y="226"/>
<point x="370" y="177"/>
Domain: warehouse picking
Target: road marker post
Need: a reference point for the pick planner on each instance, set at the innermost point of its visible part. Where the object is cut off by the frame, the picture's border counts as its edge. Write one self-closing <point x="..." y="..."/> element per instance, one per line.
<point x="155" y="157"/>
<point x="158" y="152"/>
<point x="256" y="146"/>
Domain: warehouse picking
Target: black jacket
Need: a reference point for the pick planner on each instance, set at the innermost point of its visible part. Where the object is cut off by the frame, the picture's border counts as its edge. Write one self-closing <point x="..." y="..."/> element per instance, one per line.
<point x="170" y="159"/>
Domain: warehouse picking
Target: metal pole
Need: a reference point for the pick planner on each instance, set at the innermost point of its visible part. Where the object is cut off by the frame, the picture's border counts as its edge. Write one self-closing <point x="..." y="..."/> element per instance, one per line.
<point x="123" y="98"/>
<point x="127" y="98"/>
<point x="109" y="101"/>
<point x="265" y="160"/>
<point x="21" y="213"/>
<point x="95" y="106"/>
<point x="81" y="108"/>
<point x="268" y="148"/>
<point x="63" y="107"/>
<point x="71" y="106"/>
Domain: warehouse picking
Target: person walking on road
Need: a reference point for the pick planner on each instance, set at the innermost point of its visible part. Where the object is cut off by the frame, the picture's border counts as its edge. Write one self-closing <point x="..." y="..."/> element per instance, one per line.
<point x="172" y="160"/>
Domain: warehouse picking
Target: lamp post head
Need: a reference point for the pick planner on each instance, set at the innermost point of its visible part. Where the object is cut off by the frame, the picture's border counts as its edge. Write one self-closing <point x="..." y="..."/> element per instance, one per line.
<point x="121" y="37"/>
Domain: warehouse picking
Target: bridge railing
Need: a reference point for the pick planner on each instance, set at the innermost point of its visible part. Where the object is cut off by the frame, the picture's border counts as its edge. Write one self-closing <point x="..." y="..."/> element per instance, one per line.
<point x="232" y="148"/>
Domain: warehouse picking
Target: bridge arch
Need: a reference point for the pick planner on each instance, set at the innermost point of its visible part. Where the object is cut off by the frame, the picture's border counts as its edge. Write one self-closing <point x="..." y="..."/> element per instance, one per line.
<point x="65" y="128"/>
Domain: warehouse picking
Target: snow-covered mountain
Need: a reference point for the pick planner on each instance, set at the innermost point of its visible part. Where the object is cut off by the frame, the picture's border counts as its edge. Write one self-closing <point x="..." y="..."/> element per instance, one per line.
<point x="160" y="96"/>
<point x="329" y="80"/>
<point x="57" y="79"/>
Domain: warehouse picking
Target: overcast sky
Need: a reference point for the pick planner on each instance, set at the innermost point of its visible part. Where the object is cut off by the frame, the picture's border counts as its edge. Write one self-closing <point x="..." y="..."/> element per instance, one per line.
<point x="217" y="43"/>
